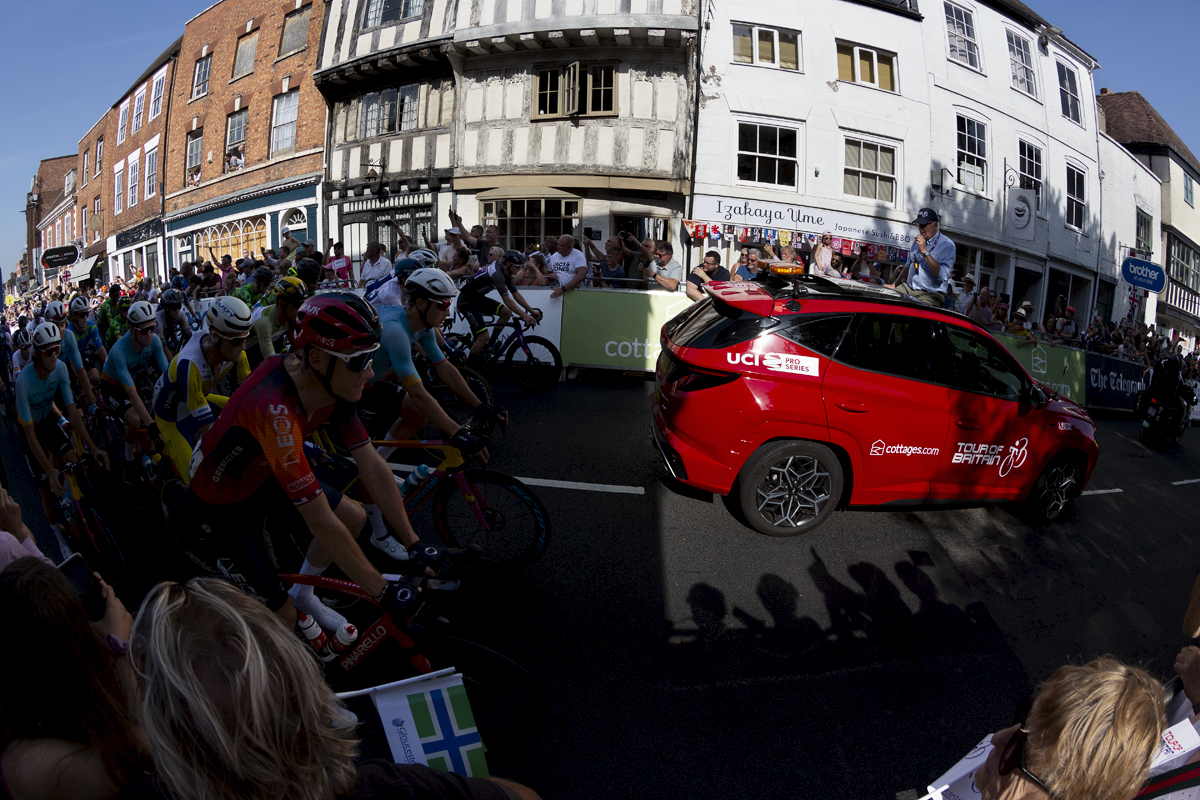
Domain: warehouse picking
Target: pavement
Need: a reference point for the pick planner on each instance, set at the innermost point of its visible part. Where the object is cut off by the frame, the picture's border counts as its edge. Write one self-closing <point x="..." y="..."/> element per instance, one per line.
<point x="686" y="655"/>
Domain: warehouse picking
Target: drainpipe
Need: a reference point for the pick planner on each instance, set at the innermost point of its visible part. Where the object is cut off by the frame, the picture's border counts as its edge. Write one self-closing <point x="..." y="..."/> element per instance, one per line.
<point x="168" y="252"/>
<point x="691" y="197"/>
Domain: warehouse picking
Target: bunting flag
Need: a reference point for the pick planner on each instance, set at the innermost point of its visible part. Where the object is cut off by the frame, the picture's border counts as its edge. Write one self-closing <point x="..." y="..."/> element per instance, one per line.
<point x="690" y="227"/>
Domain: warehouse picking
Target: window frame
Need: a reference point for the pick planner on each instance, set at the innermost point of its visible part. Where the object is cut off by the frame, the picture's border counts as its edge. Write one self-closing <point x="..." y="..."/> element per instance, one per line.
<point x="206" y="62"/>
<point x="139" y="111"/>
<point x="968" y="22"/>
<point x="99" y="156"/>
<point x="958" y="163"/>
<point x="796" y="129"/>
<point x="1063" y="70"/>
<point x="118" y="191"/>
<point x="577" y="74"/>
<point x="196" y="138"/>
<point x="1080" y="202"/>
<point x="158" y="88"/>
<point x="405" y="115"/>
<point x="133" y="170"/>
<point x="855" y="60"/>
<point x="1013" y="37"/>
<point x="776" y="63"/>
<point x="1189" y="190"/>
<point x="303" y="10"/>
<point x="1137" y="235"/>
<point x="230" y="144"/>
<point x="508" y="237"/>
<point x="276" y="151"/>
<point x="878" y="143"/>
<point x="382" y="4"/>
<point x="1184" y="270"/>
<point x="1023" y="178"/>
<point x="151" y="175"/>
<point x="123" y="123"/>
<point x="87" y="156"/>
<point x="237" y="53"/>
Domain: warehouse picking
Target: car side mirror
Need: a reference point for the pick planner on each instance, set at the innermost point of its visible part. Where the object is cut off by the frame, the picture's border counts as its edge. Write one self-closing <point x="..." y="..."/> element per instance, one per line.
<point x="1034" y="396"/>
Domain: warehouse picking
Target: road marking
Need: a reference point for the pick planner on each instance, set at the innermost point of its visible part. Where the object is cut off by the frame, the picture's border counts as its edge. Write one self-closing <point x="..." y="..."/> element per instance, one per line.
<point x="1185" y="483"/>
<point x="611" y="488"/>
<point x="1103" y="491"/>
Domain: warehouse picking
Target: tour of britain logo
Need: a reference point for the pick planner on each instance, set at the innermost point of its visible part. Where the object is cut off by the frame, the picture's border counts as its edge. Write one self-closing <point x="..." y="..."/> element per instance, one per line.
<point x="986" y="455"/>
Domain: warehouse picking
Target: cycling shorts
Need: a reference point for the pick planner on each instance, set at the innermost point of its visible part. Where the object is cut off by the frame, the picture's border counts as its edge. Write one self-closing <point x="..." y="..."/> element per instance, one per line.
<point x="54" y="442"/>
<point x="91" y="359"/>
<point x="475" y="307"/>
<point x="234" y="543"/>
<point x="380" y="406"/>
<point x="116" y="400"/>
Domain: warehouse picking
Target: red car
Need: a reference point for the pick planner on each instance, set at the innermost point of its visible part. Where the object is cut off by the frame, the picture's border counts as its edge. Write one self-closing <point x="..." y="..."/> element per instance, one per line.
<point x="795" y="396"/>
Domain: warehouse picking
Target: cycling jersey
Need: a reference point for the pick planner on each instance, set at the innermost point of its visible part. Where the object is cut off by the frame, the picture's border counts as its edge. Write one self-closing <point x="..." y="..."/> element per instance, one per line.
<point x="493" y="276"/>
<point x="258" y="440"/>
<point x="19" y="362"/>
<point x="172" y="330"/>
<point x="88" y="341"/>
<point x="123" y="361"/>
<point x="248" y="294"/>
<point x="70" y="350"/>
<point x="395" y="347"/>
<point x="35" y="397"/>
<point x="265" y="332"/>
<point x="180" y="404"/>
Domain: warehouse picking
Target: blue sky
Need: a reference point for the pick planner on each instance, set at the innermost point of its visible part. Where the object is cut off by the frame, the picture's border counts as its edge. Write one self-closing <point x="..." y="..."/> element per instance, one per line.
<point x="65" y="61"/>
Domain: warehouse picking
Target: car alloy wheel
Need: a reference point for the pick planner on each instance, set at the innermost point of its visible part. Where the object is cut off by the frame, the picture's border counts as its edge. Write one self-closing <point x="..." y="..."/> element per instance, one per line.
<point x="1057" y="486"/>
<point x="790" y="487"/>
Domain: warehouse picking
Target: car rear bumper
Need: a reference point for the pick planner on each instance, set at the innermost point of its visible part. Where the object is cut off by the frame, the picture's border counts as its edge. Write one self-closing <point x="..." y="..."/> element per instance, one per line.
<point x="687" y="464"/>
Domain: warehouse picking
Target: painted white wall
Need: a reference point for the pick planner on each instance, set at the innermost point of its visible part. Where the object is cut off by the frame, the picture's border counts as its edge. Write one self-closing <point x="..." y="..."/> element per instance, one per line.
<point x="1127" y="186"/>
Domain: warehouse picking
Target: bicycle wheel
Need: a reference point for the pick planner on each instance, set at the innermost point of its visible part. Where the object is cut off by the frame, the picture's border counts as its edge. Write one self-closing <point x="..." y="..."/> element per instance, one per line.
<point x="535" y="370"/>
<point x="454" y="405"/>
<point x="184" y="531"/>
<point x="109" y="560"/>
<point x="506" y="699"/>
<point x="516" y="525"/>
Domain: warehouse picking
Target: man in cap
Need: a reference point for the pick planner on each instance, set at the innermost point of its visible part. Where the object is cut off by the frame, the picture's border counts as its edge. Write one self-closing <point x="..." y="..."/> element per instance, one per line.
<point x="930" y="261"/>
<point x="1067" y="327"/>
<point x="454" y="241"/>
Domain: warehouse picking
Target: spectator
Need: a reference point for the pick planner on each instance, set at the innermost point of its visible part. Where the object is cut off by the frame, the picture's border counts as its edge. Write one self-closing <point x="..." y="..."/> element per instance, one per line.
<point x="454" y="241"/>
<point x="490" y="239"/>
<point x="747" y="267"/>
<point x="16" y="540"/>
<point x="1000" y="315"/>
<point x="65" y="725"/>
<point x="460" y="263"/>
<point x="979" y="308"/>
<point x="568" y="264"/>
<point x="339" y="260"/>
<point x="666" y="272"/>
<point x="822" y="258"/>
<point x="233" y="705"/>
<point x="1048" y="330"/>
<point x="966" y="295"/>
<point x="930" y="262"/>
<point x="374" y="266"/>
<point x="1025" y="337"/>
<point x="210" y="284"/>
<point x="709" y="270"/>
<point x="863" y="269"/>
<point x="1090" y="734"/>
<point x="534" y="273"/>
<point x="1066" y="327"/>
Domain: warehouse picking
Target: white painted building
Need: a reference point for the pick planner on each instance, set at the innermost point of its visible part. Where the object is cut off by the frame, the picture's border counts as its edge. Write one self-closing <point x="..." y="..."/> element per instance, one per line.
<point x="539" y="116"/>
<point x="853" y="115"/>
<point x="1131" y="204"/>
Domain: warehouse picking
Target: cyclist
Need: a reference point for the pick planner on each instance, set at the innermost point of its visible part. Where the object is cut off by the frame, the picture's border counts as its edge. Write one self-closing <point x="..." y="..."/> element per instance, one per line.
<point x="254" y="289"/>
<point x="119" y="324"/>
<point x="397" y="387"/>
<point x="272" y="323"/>
<point x="21" y="356"/>
<point x="40" y="385"/>
<point x="87" y="337"/>
<point x="387" y="290"/>
<point x="251" y="466"/>
<point x="308" y="271"/>
<point x="170" y="325"/>
<point x="135" y="352"/>
<point x="475" y="305"/>
<point x="108" y="312"/>
<point x="180" y="403"/>
<point x="56" y="313"/>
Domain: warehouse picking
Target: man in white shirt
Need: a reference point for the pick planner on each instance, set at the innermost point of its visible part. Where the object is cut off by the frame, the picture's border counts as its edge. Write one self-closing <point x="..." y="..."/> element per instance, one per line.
<point x="453" y="242"/>
<point x="567" y="264"/>
<point x="375" y="265"/>
<point x="665" y="271"/>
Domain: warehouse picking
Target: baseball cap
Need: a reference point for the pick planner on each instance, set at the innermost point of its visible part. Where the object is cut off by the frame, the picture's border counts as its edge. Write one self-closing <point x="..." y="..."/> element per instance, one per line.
<point x="925" y="216"/>
<point x="1070" y="309"/>
<point x="454" y="230"/>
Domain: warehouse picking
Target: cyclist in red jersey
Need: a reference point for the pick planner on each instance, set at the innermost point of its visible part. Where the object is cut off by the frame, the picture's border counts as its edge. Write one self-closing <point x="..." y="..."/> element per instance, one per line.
<point x="251" y="465"/>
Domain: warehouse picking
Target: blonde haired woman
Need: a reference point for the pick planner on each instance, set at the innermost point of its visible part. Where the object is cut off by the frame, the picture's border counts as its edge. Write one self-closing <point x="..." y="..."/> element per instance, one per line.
<point x="234" y="706"/>
<point x="1089" y="735"/>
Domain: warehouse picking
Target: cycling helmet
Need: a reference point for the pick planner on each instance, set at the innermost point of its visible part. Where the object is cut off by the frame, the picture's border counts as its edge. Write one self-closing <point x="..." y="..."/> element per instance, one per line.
<point x="80" y="305"/>
<point x="228" y="317"/>
<point x="427" y="258"/>
<point x="514" y="257"/>
<point x="179" y="282"/>
<point x="56" y="311"/>
<point x="22" y="320"/>
<point x="21" y="338"/>
<point x="171" y="297"/>
<point x="308" y="271"/>
<point x="337" y="321"/>
<point x="291" y="290"/>
<point x="430" y="283"/>
<point x="46" y="335"/>
<point x="125" y="302"/>
<point x="263" y="275"/>
<point x="404" y="266"/>
<point x="140" y="313"/>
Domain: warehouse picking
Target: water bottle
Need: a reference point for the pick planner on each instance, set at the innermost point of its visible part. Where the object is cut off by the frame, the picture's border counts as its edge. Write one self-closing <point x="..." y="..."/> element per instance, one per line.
<point x="316" y="637"/>
<point x="344" y="639"/>
<point x="419" y="474"/>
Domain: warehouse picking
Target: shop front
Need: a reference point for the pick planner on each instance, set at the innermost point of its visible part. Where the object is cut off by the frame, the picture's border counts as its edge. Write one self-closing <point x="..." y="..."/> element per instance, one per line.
<point x="356" y="219"/>
<point x="136" y="252"/>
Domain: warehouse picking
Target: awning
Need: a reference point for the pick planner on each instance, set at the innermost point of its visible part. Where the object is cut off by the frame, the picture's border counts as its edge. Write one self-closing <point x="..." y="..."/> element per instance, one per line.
<point x="82" y="270"/>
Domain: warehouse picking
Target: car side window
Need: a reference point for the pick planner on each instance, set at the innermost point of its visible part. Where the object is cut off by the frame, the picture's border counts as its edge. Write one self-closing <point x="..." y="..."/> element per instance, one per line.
<point x="979" y="365"/>
<point x="820" y="334"/>
<point x="908" y="347"/>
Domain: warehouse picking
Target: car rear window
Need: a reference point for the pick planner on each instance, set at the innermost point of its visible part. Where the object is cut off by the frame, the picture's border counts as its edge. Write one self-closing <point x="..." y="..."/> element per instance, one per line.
<point x="821" y="334"/>
<point x="712" y="324"/>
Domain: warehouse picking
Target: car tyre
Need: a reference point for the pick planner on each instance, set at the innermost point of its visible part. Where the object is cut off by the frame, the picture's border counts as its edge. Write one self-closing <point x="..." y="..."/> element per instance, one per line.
<point x="788" y="488"/>
<point x="1058" y="485"/>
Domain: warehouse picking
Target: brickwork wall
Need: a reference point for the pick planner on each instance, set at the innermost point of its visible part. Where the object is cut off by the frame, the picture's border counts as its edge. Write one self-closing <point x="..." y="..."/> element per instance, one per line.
<point x="134" y="148"/>
<point x="98" y="185"/>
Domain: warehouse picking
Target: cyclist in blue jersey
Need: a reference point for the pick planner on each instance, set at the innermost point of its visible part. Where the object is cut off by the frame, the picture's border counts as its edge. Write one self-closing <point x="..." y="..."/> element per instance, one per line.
<point x="396" y="391"/>
<point x="170" y="325"/>
<point x="56" y="312"/>
<point x="474" y="305"/>
<point x="136" y="351"/>
<point x="87" y="336"/>
<point x="22" y="351"/>
<point x="40" y="386"/>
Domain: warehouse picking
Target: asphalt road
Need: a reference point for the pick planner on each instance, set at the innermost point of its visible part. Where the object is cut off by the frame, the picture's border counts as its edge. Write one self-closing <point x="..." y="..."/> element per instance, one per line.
<point x="686" y="655"/>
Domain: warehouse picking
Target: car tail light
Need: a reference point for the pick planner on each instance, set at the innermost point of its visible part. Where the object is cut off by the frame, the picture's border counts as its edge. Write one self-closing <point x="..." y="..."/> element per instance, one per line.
<point x="690" y="378"/>
<point x="787" y="269"/>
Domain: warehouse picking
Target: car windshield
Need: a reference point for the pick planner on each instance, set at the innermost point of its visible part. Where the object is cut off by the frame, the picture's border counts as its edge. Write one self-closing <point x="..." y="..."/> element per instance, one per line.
<point x="712" y="324"/>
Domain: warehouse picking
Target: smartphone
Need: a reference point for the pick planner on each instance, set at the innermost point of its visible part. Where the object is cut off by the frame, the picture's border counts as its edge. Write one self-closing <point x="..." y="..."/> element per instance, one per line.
<point x="84" y="580"/>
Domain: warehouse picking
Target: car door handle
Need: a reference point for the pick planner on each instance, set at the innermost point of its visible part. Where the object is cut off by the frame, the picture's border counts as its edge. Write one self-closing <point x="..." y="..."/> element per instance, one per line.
<point x="853" y="408"/>
<point x="966" y="426"/>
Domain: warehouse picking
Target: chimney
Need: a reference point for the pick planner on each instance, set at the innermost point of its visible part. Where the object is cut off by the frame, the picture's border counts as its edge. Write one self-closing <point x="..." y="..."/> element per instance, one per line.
<point x="1105" y="91"/>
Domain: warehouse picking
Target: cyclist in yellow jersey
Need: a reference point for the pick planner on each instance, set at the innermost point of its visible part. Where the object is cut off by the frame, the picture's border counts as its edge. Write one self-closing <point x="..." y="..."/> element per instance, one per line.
<point x="181" y="403"/>
<point x="271" y="322"/>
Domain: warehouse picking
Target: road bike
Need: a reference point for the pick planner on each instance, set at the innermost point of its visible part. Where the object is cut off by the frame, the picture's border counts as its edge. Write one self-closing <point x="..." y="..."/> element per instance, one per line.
<point x="85" y="528"/>
<point x="532" y="362"/>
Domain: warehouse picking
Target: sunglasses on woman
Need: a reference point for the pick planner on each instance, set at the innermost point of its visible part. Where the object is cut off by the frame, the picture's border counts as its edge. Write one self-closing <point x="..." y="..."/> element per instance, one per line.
<point x="1013" y="757"/>
<point x="355" y="362"/>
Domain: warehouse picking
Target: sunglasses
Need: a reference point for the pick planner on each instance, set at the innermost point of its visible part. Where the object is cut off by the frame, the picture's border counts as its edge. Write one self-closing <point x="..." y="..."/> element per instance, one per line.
<point x="144" y="329"/>
<point x="1013" y="758"/>
<point x="355" y="362"/>
<point x="49" y="351"/>
<point x="444" y="305"/>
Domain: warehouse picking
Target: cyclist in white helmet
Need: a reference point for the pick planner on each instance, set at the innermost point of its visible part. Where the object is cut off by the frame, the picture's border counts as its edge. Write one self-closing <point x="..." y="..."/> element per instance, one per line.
<point x="56" y="312"/>
<point x="138" y="350"/>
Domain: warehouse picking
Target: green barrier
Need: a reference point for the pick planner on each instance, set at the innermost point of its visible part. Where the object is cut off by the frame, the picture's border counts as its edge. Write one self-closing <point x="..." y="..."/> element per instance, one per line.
<point x="616" y="328"/>
<point x="1063" y="369"/>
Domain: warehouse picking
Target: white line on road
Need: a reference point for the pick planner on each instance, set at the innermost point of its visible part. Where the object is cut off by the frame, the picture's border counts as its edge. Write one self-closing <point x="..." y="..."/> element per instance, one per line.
<point x="1185" y="483"/>
<point x="1103" y="491"/>
<point x="553" y="484"/>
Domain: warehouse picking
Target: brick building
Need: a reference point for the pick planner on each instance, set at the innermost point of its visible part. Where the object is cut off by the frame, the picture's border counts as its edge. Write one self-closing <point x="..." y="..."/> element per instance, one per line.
<point x="246" y="132"/>
<point x="95" y="197"/>
<point x="51" y="197"/>
<point x="134" y="236"/>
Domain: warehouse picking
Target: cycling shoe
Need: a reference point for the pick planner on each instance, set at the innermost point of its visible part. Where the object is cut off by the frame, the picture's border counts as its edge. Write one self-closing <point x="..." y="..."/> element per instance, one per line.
<point x="393" y="548"/>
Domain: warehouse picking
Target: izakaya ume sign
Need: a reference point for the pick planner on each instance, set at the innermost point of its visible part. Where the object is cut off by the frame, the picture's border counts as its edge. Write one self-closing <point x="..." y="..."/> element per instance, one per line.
<point x="756" y="213"/>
